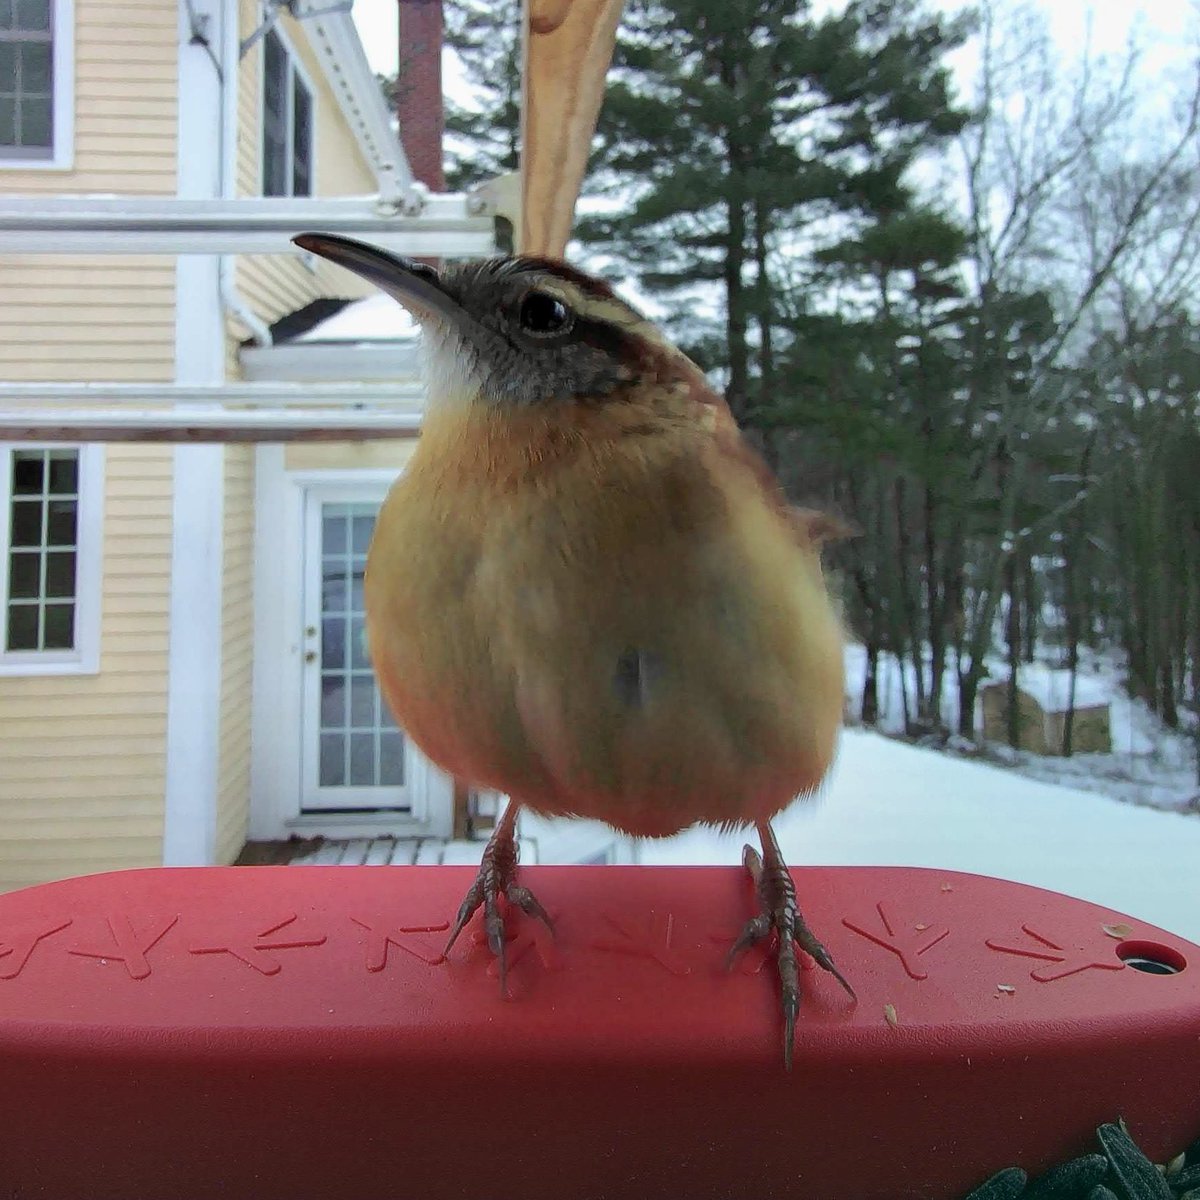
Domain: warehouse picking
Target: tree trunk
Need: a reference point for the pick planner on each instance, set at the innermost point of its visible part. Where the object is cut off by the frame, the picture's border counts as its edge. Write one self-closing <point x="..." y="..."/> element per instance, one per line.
<point x="763" y="304"/>
<point x="968" y="689"/>
<point x="909" y="601"/>
<point x="870" y="692"/>
<point x="1012" y="636"/>
<point x="1071" y="603"/>
<point x="737" y="391"/>
<point x="935" y="613"/>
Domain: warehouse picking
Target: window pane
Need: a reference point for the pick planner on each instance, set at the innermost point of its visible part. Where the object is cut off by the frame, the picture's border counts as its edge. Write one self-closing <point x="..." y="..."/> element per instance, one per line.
<point x="332" y="771"/>
<point x="64" y="473"/>
<point x="274" y="71"/>
<point x="35" y="68"/>
<point x="24" y="575"/>
<point x="8" y="120"/>
<point x="358" y="643"/>
<point x="275" y="174"/>
<point x="363" y="528"/>
<point x="60" y="575"/>
<point x="362" y="759"/>
<point x="28" y="472"/>
<point x="6" y="22"/>
<point x="32" y="15"/>
<point x="333" y="702"/>
<point x="22" y="627"/>
<point x="26" y="526"/>
<point x="333" y="643"/>
<point x="60" y="523"/>
<point x="274" y="165"/>
<point x="60" y="627"/>
<point x="333" y="535"/>
<point x="362" y="701"/>
<point x="35" y="122"/>
<point x="8" y="63"/>
<point x="301" y="139"/>
<point x="334" y="592"/>
<point x="391" y="759"/>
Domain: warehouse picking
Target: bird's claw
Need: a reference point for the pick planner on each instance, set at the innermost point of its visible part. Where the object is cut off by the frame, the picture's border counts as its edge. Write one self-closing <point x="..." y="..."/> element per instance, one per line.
<point x="780" y="915"/>
<point x="495" y="879"/>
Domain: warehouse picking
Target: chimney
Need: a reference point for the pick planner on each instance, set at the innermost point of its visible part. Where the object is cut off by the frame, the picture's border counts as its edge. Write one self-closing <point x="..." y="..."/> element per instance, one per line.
<point x="419" y="90"/>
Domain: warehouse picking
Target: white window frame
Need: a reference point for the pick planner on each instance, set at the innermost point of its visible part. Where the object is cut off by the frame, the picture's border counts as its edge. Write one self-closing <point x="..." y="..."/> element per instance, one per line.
<point x="295" y="69"/>
<point x="62" y="157"/>
<point x="84" y="659"/>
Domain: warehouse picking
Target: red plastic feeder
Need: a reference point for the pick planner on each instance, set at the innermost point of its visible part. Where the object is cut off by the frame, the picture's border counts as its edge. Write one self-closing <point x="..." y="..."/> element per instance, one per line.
<point x="260" y="1033"/>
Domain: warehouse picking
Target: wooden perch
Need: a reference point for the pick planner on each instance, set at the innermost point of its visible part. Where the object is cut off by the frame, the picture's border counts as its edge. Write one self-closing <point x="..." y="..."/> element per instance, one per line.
<point x="567" y="48"/>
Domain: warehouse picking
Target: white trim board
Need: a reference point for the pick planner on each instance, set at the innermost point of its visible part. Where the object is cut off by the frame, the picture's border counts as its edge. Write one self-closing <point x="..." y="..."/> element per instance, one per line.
<point x="334" y="39"/>
<point x="194" y="645"/>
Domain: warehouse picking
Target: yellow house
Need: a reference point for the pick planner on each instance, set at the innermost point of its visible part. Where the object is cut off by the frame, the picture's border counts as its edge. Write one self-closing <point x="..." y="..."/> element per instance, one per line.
<point x="181" y="662"/>
<point x="129" y="629"/>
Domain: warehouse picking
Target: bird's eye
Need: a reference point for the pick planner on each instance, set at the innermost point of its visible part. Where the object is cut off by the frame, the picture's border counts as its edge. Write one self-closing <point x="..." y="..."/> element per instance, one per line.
<point x="544" y="315"/>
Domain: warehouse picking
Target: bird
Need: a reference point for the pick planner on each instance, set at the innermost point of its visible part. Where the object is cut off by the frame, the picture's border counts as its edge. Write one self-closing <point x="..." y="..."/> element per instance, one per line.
<point x="587" y="590"/>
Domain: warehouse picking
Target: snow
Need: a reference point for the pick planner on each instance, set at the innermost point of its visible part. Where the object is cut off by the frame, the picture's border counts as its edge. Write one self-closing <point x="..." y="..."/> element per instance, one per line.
<point x="1149" y="764"/>
<point x="376" y="318"/>
<point x="891" y="803"/>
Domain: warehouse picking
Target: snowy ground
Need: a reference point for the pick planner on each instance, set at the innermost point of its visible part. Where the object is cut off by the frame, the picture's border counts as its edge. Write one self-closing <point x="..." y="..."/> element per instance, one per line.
<point x="1149" y="764"/>
<point x="890" y="803"/>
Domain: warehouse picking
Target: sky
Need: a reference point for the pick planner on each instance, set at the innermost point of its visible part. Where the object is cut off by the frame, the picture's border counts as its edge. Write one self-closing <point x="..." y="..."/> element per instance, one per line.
<point x="1166" y="21"/>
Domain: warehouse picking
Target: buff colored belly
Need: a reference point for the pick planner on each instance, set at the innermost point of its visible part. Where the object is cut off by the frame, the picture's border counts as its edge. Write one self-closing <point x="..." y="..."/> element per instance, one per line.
<point x="648" y="678"/>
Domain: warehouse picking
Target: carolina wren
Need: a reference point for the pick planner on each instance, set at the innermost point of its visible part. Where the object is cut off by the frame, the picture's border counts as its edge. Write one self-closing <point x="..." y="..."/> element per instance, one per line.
<point x="587" y="591"/>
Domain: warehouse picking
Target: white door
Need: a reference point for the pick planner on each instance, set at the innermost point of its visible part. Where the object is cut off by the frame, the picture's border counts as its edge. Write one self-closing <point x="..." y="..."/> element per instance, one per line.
<point x="355" y="759"/>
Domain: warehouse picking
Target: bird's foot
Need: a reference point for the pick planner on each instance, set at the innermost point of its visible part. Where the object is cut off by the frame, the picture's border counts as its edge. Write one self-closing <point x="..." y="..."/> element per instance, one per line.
<point x="780" y="915"/>
<point x="496" y="878"/>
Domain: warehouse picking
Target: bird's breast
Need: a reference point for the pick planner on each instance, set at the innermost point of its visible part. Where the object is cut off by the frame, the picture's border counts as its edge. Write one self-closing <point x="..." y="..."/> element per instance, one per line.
<point x="617" y="634"/>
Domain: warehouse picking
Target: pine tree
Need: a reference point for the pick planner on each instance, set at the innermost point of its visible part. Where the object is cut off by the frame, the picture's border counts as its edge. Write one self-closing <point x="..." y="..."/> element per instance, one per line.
<point x="741" y="134"/>
<point x="484" y="136"/>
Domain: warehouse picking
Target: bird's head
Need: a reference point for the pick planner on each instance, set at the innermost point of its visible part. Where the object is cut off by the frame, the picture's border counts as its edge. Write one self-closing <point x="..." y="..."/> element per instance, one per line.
<point x="517" y="332"/>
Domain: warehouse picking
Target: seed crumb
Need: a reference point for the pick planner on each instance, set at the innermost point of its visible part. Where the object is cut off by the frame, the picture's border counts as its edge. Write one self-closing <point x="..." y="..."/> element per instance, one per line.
<point x="889" y="1015"/>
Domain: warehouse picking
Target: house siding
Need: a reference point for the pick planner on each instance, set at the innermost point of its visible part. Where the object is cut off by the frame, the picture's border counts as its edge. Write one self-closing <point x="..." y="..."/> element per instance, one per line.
<point x="125" y="104"/>
<point x="83" y="757"/>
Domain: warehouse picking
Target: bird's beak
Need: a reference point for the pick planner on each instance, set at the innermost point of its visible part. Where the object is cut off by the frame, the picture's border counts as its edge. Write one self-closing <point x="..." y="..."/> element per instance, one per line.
<point x="415" y="285"/>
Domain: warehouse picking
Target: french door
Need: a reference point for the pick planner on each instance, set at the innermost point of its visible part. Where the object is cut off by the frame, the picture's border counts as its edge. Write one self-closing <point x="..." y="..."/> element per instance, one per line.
<point x="355" y="759"/>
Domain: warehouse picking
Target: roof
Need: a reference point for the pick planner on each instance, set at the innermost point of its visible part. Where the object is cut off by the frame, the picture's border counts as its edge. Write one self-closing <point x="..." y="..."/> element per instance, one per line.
<point x="294" y="324"/>
<point x="368" y="340"/>
<point x="1051" y="687"/>
<point x="376" y="318"/>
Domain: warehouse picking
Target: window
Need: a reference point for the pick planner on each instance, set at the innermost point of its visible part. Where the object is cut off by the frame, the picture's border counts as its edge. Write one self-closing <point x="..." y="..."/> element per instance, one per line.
<point x="36" y="83"/>
<point x="287" y="124"/>
<point x="50" y="572"/>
